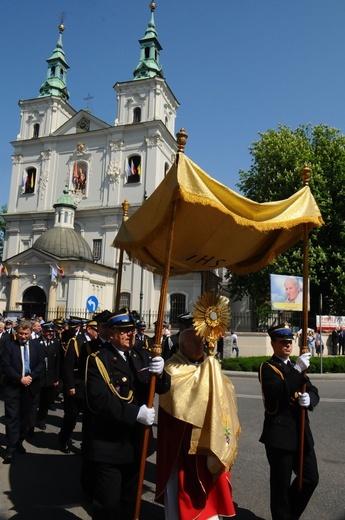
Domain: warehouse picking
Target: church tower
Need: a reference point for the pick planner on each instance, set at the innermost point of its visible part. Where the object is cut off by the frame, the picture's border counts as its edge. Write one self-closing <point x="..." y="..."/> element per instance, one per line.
<point x="146" y="105"/>
<point x="41" y="116"/>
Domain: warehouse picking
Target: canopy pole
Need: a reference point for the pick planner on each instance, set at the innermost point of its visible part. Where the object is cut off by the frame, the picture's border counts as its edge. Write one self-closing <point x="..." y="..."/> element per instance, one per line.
<point x="125" y="208"/>
<point x="304" y="346"/>
<point x="157" y="349"/>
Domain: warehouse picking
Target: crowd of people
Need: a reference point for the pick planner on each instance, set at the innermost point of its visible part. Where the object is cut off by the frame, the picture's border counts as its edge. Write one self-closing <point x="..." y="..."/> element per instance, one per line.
<point x="101" y="370"/>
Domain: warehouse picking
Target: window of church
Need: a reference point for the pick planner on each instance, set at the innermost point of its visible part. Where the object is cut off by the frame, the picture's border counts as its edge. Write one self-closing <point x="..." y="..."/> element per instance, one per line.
<point x="147" y="52"/>
<point x="137" y="115"/>
<point x="125" y="300"/>
<point x="133" y="169"/>
<point x="52" y="71"/>
<point x="61" y="73"/>
<point x="97" y="249"/>
<point x="177" y="307"/>
<point x="36" y="130"/>
<point x="29" y="180"/>
<point x="79" y="180"/>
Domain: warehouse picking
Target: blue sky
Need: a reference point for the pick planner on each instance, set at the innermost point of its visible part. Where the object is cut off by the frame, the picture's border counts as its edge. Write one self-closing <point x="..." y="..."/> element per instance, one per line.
<point x="237" y="67"/>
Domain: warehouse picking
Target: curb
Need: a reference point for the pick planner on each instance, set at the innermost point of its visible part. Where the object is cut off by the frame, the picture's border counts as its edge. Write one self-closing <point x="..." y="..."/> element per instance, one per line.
<point x="328" y="376"/>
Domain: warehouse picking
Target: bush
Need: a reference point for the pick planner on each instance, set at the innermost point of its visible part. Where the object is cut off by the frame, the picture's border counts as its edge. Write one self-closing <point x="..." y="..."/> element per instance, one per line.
<point x="331" y="364"/>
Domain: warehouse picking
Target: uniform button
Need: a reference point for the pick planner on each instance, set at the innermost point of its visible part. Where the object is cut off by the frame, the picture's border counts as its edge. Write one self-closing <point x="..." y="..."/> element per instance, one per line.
<point x="124" y="379"/>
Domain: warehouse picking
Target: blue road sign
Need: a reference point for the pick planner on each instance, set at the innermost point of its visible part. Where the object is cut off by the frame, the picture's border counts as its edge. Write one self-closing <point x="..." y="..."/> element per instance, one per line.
<point x="92" y="304"/>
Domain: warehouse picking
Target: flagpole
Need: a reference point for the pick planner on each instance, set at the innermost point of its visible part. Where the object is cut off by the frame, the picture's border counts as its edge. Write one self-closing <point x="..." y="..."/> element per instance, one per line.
<point x="125" y="208"/>
<point x="157" y="349"/>
<point x="304" y="347"/>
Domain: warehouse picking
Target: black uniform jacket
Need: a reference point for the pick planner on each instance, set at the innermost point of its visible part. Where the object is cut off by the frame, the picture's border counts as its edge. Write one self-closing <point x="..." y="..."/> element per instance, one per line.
<point x="52" y="362"/>
<point x="71" y="374"/>
<point x="115" y="435"/>
<point x="12" y="364"/>
<point x="280" y="385"/>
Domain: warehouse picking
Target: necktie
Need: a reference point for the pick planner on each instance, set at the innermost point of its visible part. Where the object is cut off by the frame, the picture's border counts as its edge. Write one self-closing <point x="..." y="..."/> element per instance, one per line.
<point x="288" y="363"/>
<point x="126" y="355"/>
<point x="26" y="360"/>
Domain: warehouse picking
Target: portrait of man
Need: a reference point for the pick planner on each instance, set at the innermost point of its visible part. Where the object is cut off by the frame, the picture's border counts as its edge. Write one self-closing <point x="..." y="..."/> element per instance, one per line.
<point x="293" y="290"/>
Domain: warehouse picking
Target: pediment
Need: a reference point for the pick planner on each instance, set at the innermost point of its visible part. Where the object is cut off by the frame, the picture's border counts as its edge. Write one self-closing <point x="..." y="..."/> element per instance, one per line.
<point x="30" y="257"/>
<point x="81" y="123"/>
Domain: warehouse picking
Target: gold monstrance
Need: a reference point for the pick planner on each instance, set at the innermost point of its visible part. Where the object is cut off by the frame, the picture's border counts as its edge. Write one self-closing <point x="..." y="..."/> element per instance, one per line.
<point x="211" y="317"/>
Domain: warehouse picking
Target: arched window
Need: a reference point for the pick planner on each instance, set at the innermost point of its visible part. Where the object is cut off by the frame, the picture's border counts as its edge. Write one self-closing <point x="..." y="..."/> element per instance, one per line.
<point x="29" y="180"/>
<point x="36" y="129"/>
<point x="147" y="52"/>
<point x="61" y="73"/>
<point x="125" y="300"/>
<point x="52" y="71"/>
<point x="133" y="169"/>
<point x="79" y="180"/>
<point x="177" y="307"/>
<point x="137" y="115"/>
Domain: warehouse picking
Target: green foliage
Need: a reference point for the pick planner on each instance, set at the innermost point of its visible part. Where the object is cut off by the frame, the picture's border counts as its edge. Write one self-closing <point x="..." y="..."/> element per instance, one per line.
<point x="275" y="174"/>
<point x="2" y="229"/>
<point x="331" y="364"/>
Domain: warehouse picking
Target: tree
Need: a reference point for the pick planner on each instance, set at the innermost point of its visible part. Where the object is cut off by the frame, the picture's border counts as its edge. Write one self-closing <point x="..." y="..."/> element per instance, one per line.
<point x="275" y="174"/>
<point x="2" y="229"/>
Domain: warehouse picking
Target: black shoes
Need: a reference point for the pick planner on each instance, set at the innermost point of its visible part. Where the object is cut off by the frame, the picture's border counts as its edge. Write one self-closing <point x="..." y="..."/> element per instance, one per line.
<point x="8" y="458"/>
<point x="41" y="425"/>
<point x="30" y="432"/>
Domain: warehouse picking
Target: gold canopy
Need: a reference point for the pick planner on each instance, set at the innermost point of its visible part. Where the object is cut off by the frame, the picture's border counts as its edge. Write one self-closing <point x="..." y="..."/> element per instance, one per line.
<point x="214" y="226"/>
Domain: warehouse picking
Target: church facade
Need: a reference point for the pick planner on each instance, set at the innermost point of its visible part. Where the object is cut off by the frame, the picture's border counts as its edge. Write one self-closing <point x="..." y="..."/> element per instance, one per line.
<point x="71" y="174"/>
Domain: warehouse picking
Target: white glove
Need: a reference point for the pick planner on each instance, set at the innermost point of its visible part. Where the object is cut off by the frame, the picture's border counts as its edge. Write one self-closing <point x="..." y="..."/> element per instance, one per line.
<point x="146" y="415"/>
<point x="304" y="399"/>
<point x="303" y="362"/>
<point x="156" y="366"/>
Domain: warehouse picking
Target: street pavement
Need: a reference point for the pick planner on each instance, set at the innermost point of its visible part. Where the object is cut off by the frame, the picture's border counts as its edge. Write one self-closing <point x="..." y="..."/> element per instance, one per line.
<point x="44" y="483"/>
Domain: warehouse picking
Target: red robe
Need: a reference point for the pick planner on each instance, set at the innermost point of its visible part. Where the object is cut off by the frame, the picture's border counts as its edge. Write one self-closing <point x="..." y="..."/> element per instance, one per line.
<point x="199" y="495"/>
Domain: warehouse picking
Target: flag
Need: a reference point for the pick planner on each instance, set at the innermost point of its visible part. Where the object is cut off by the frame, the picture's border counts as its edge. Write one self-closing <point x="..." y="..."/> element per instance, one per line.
<point x="133" y="170"/>
<point x="139" y="169"/>
<point x="3" y="270"/>
<point x="53" y="273"/>
<point x="24" y="179"/>
<point x="60" y="271"/>
<point x="128" y="169"/>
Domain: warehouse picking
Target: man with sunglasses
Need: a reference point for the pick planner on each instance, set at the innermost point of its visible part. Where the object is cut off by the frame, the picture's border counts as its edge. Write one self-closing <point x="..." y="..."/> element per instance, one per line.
<point x="117" y="384"/>
<point x="282" y="381"/>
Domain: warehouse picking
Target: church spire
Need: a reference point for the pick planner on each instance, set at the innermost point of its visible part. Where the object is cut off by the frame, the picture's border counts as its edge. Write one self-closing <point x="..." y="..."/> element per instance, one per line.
<point x="148" y="66"/>
<point x="55" y="84"/>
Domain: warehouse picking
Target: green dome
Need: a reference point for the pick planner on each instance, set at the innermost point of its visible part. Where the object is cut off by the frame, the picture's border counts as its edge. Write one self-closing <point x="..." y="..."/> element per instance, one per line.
<point x="64" y="243"/>
<point x="65" y="200"/>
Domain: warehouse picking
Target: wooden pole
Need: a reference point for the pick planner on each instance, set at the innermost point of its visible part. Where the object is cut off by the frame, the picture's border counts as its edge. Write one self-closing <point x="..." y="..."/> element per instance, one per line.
<point x="125" y="208"/>
<point x="304" y="346"/>
<point x="157" y="349"/>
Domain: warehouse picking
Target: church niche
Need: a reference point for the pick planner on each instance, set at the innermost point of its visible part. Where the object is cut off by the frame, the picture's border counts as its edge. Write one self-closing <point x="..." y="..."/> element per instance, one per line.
<point x="80" y="170"/>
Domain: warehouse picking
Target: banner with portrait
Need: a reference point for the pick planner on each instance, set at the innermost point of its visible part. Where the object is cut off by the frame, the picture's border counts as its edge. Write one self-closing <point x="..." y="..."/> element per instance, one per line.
<point x="286" y="292"/>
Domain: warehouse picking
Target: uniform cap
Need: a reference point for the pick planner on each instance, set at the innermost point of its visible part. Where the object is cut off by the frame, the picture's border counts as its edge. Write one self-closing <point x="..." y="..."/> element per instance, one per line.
<point x="92" y="323"/>
<point x="121" y="319"/>
<point x="141" y="325"/>
<point x="102" y="317"/>
<point x="186" y="318"/>
<point x="48" y="326"/>
<point x="74" y="321"/>
<point x="281" y="331"/>
<point x="59" y="323"/>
